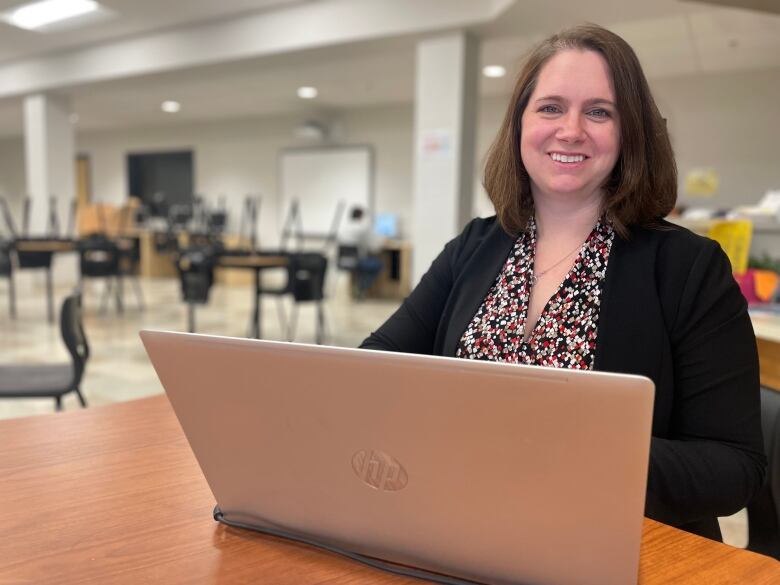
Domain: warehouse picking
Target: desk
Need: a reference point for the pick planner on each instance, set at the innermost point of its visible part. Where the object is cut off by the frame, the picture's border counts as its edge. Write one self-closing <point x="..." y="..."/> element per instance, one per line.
<point x="162" y="264"/>
<point x="767" y="328"/>
<point x="45" y="246"/>
<point x="395" y="279"/>
<point x="41" y="250"/>
<point x="258" y="263"/>
<point x="155" y="264"/>
<point x="37" y="253"/>
<point x="112" y="494"/>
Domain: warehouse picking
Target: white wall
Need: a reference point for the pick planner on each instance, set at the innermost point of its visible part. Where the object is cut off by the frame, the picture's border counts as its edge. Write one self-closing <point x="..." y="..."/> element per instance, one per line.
<point x="726" y="122"/>
<point x="12" y="179"/>
<point x="231" y="158"/>
<point x="389" y="130"/>
<point x="729" y="123"/>
<point x="237" y="157"/>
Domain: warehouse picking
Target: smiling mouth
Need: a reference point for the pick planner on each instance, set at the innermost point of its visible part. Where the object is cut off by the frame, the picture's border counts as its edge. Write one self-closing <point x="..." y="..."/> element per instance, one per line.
<point x="568" y="159"/>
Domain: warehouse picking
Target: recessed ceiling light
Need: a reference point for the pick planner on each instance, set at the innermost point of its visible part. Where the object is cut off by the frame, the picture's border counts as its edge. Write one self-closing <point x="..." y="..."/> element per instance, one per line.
<point x="307" y="93"/>
<point x="170" y="106"/>
<point x="494" y="71"/>
<point x="35" y="15"/>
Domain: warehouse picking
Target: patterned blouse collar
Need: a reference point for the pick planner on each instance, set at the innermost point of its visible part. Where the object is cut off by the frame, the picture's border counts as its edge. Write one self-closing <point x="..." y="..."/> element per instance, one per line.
<point x="565" y="335"/>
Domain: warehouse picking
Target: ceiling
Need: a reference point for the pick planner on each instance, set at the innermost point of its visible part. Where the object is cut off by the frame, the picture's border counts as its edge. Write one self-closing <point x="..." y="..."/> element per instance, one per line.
<point x="672" y="38"/>
<point x="761" y="5"/>
<point x="127" y="18"/>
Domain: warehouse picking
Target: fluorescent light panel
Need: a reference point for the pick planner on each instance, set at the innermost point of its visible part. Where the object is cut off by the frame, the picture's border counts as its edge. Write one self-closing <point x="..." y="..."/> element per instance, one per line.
<point x="170" y="106"/>
<point x="37" y="15"/>
<point x="307" y="93"/>
<point x="494" y="71"/>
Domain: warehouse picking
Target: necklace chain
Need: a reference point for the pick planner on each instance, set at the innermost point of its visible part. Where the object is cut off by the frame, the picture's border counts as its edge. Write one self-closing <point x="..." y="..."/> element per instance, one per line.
<point x="536" y="276"/>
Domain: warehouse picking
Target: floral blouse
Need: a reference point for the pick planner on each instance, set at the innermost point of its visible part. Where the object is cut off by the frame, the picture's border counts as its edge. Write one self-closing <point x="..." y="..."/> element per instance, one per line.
<point x="565" y="335"/>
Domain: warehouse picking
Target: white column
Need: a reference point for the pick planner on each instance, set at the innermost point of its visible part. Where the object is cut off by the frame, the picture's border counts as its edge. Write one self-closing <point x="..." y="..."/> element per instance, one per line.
<point x="49" y="158"/>
<point x="444" y="128"/>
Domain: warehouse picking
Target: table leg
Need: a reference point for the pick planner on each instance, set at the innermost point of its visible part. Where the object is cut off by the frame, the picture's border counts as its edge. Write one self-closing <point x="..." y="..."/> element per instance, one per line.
<point x="49" y="295"/>
<point x="120" y="293"/>
<point x="255" y="327"/>
<point x="12" y="296"/>
<point x="191" y="317"/>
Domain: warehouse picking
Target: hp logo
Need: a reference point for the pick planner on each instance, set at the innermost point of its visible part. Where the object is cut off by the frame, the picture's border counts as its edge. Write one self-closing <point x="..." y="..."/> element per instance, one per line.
<point x="379" y="470"/>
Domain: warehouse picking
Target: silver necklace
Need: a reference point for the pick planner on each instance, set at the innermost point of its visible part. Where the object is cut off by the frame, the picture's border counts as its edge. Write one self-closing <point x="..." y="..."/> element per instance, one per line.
<point x="536" y="276"/>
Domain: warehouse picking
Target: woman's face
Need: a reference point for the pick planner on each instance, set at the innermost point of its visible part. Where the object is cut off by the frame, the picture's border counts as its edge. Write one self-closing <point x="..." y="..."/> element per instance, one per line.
<point x="570" y="137"/>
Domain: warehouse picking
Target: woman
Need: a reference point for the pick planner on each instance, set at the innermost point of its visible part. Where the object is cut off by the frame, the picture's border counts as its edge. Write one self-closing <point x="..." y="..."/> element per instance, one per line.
<point x="579" y="270"/>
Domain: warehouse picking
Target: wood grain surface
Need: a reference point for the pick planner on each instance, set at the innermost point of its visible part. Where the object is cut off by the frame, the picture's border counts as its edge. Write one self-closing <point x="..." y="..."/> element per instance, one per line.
<point x="45" y="245"/>
<point x="769" y="361"/>
<point x="252" y="261"/>
<point x="113" y="494"/>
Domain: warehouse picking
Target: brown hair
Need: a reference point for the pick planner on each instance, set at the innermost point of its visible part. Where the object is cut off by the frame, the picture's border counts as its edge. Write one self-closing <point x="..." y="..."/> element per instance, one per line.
<point x="642" y="187"/>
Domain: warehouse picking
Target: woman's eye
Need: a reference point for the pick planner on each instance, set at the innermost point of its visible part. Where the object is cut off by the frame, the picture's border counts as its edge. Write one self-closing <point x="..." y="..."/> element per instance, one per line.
<point x="549" y="109"/>
<point x="599" y="113"/>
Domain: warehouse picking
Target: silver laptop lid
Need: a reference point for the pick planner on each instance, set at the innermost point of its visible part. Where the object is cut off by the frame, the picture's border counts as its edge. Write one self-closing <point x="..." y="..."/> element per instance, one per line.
<point x="486" y="471"/>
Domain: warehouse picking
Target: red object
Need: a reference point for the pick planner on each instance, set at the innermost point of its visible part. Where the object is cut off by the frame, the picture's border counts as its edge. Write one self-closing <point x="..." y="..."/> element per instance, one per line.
<point x="747" y="285"/>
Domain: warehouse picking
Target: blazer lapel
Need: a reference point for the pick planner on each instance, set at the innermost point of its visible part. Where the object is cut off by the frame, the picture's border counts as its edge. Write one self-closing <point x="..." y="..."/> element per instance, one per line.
<point x="628" y="313"/>
<point x="475" y="279"/>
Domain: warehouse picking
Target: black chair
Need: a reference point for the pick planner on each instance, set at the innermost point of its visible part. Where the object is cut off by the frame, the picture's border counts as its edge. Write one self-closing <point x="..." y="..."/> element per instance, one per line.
<point x="7" y="271"/>
<point x="52" y="380"/>
<point x="363" y="270"/>
<point x="347" y="258"/>
<point x="129" y="265"/>
<point x="306" y="283"/>
<point x="166" y="242"/>
<point x="196" y="275"/>
<point x="37" y="260"/>
<point x="99" y="257"/>
<point x="764" y="510"/>
<point x="179" y="216"/>
<point x="279" y="293"/>
<point x="216" y="222"/>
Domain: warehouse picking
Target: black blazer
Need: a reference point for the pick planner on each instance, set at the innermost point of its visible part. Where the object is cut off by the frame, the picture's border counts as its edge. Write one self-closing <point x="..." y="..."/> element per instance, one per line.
<point x="670" y="311"/>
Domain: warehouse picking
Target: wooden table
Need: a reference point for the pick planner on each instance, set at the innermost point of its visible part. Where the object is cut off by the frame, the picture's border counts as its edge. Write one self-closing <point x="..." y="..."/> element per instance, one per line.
<point x="767" y="328"/>
<point x="257" y="263"/>
<point x="113" y="494"/>
<point x="46" y="248"/>
<point x="52" y="245"/>
<point x="395" y="279"/>
<point x="42" y="250"/>
<point x="125" y="243"/>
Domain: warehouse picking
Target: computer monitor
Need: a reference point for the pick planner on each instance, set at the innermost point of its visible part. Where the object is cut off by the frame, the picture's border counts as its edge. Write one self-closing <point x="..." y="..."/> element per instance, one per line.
<point x="386" y="224"/>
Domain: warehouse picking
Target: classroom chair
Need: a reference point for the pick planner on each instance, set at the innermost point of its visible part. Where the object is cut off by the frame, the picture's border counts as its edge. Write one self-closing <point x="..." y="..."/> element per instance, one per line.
<point x="52" y="380"/>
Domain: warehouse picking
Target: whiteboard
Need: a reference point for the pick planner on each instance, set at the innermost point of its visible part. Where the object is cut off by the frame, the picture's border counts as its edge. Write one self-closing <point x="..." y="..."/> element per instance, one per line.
<point x="319" y="178"/>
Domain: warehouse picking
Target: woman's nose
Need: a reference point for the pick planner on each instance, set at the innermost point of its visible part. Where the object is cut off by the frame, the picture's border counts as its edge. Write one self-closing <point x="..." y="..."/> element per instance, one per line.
<point x="572" y="129"/>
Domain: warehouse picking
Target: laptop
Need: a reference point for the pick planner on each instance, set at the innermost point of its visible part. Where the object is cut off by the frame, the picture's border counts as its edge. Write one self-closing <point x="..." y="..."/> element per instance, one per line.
<point x="488" y="472"/>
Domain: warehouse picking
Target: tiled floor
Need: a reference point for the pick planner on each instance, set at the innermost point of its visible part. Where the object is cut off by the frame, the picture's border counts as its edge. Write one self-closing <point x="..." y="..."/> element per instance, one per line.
<point x="118" y="368"/>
